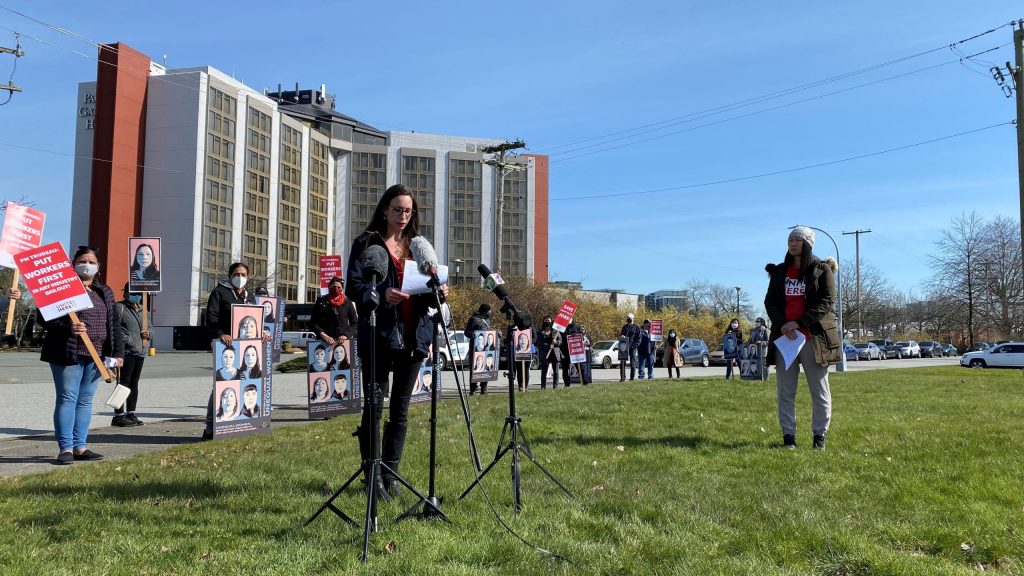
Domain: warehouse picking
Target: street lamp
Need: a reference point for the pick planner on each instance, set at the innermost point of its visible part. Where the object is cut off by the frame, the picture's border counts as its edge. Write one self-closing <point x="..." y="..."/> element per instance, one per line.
<point x="458" y="269"/>
<point x="737" y="301"/>
<point x="841" y="367"/>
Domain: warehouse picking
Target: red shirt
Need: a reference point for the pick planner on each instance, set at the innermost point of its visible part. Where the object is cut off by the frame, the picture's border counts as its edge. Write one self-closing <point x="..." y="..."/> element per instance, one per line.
<point x="796" y="296"/>
<point x="405" y="308"/>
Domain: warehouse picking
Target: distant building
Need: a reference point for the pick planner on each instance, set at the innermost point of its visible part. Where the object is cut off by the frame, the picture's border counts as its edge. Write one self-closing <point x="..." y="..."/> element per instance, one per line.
<point x="223" y="172"/>
<point x="678" y="299"/>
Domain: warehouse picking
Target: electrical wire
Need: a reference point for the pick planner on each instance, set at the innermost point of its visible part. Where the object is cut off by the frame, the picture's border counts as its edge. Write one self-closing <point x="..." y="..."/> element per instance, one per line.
<point x="783" y="92"/>
<point x="785" y="171"/>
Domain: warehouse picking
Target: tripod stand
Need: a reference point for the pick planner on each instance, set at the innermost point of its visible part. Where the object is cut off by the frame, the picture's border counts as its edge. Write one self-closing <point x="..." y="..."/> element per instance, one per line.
<point x="513" y="427"/>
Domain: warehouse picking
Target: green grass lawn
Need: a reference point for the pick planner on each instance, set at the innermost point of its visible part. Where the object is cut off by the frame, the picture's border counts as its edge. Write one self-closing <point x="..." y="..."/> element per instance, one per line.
<point x="923" y="475"/>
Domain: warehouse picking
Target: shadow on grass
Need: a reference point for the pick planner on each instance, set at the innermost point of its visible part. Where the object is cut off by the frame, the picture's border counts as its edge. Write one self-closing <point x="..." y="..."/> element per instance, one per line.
<point x="128" y="490"/>
<point x="126" y="438"/>
<point x="690" y="442"/>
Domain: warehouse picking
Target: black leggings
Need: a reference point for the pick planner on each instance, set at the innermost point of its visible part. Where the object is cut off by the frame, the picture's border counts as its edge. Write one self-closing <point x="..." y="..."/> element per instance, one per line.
<point x="405" y="370"/>
<point x="130" y="373"/>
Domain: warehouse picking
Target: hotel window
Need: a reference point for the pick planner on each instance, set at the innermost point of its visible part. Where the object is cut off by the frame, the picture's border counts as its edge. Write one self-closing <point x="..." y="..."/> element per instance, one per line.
<point x="256" y="205"/>
<point x="218" y="197"/>
<point x="419" y="176"/>
<point x="288" y="212"/>
<point x="368" y="184"/>
<point x="465" y="189"/>
<point x="514" y="215"/>
<point x="316" y="217"/>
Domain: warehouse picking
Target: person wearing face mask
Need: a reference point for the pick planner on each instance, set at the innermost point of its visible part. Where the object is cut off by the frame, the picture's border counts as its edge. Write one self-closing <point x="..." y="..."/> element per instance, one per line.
<point x="75" y="376"/>
<point x="549" y="344"/>
<point x="672" y="358"/>
<point x="731" y="341"/>
<point x="218" y="317"/>
<point x="334" y="318"/>
<point x="129" y="314"/>
<point x="645" y="351"/>
<point x="629" y="338"/>
<point x="479" y="320"/>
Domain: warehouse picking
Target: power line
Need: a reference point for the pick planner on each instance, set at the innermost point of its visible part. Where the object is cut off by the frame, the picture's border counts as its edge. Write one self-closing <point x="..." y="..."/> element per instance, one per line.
<point x="786" y="171"/>
<point x="784" y="92"/>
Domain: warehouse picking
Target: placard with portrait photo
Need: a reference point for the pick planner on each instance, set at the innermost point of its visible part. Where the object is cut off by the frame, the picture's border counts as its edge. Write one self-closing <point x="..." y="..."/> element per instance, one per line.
<point x="333" y="385"/>
<point x="484" y="363"/>
<point x="144" y="266"/>
<point x="241" y="388"/>
<point x="273" y="322"/>
<point x="246" y="321"/>
<point x="524" y="344"/>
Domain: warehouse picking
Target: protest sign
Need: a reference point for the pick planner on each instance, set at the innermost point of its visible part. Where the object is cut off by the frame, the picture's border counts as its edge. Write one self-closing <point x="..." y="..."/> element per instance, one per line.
<point x="144" y="265"/>
<point x="330" y="266"/>
<point x="332" y="379"/>
<point x="657" y="330"/>
<point x="524" y="344"/>
<point x="485" y="356"/>
<point x="564" y="317"/>
<point x="52" y="280"/>
<point x="577" y="352"/>
<point x="241" y="388"/>
<point x="246" y="321"/>
<point x="273" y="322"/>
<point x="753" y="363"/>
<point x="23" y="230"/>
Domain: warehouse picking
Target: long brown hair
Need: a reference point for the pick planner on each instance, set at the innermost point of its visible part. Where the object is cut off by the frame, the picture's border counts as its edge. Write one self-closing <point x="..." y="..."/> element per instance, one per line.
<point x="379" y="222"/>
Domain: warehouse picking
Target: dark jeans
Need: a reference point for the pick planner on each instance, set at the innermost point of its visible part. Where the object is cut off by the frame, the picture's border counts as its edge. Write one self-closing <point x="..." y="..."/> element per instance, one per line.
<point x="544" y="366"/>
<point x="130" y="373"/>
<point x="405" y="370"/>
<point x="633" y="362"/>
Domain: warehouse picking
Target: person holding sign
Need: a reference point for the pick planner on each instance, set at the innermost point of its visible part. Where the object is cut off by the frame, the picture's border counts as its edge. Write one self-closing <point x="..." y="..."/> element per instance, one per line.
<point x="731" y="341"/>
<point x="405" y="328"/>
<point x="801" y="292"/>
<point x="672" y="357"/>
<point x="129" y="314"/>
<point x="629" y="345"/>
<point x="645" y="351"/>
<point x="218" y="318"/>
<point x="75" y="375"/>
<point x="334" y="317"/>
<point x="479" y="321"/>
<point x="549" y="348"/>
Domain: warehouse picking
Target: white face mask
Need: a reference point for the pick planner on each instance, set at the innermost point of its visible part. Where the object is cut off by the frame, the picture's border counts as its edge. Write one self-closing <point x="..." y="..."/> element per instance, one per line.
<point x="86" y="270"/>
<point x="734" y="325"/>
<point x="239" y="282"/>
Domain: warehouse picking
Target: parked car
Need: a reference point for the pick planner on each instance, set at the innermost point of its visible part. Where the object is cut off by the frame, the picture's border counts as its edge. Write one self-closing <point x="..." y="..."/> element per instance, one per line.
<point x="850" y="351"/>
<point x="931" y="349"/>
<point x="950" y="350"/>
<point x="868" y="351"/>
<point x="717" y="356"/>
<point x="693" y="351"/>
<point x="911" y="349"/>
<point x="606" y="354"/>
<point x="978" y="346"/>
<point x="881" y="342"/>
<point x="460" y="348"/>
<point x="1009" y="355"/>
<point x="893" y="351"/>
<point x="297" y="339"/>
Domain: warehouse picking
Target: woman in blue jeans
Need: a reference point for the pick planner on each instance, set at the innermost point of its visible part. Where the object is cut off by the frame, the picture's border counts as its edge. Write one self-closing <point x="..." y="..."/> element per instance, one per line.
<point x="75" y="376"/>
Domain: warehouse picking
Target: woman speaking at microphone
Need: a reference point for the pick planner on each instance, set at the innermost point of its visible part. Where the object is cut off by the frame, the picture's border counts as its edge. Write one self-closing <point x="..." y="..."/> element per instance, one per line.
<point x="404" y="331"/>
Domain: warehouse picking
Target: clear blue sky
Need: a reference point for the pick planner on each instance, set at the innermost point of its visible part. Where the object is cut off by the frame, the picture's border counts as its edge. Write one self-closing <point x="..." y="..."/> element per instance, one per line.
<point x="557" y="73"/>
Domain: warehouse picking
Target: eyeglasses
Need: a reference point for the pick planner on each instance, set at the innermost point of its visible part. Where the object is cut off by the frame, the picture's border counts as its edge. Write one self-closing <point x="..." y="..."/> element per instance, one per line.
<point x="400" y="211"/>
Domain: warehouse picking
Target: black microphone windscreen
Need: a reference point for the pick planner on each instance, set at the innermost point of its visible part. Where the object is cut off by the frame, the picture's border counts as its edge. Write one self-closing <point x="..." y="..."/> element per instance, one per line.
<point x="375" y="261"/>
<point x="483" y="270"/>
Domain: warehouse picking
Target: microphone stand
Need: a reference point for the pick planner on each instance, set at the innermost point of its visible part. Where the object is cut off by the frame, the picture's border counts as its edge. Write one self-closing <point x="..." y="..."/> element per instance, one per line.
<point x="513" y="427"/>
<point x="431" y="504"/>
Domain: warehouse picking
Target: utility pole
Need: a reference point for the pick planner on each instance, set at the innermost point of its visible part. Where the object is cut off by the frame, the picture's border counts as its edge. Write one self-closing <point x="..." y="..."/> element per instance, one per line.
<point x="503" y="153"/>
<point x="1018" y="86"/>
<point x="11" y="88"/>
<point x="738" y="301"/>
<point x="860" y="315"/>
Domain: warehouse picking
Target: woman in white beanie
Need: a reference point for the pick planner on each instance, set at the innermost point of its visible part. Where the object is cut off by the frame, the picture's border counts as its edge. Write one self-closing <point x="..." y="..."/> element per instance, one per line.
<point x="800" y="298"/>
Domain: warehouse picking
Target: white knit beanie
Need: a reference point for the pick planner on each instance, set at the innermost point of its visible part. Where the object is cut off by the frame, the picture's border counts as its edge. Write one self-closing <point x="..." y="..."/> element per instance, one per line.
<point x="804" y="233"/>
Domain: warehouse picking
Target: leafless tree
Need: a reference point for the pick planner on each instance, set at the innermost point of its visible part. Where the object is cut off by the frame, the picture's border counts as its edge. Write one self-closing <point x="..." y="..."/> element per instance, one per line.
<point x="957" y="265"/>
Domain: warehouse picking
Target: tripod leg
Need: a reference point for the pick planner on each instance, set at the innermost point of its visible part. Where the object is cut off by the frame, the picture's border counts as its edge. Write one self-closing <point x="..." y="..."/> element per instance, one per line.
<point x="486" y="470"/>
<point x="501" y="440"/>
<point x="329" y="504"/>
<point x="529" y="455"/>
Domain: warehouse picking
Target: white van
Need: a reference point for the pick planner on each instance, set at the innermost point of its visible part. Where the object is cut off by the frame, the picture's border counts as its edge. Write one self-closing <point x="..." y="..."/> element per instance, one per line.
<point x="297" y="339"/>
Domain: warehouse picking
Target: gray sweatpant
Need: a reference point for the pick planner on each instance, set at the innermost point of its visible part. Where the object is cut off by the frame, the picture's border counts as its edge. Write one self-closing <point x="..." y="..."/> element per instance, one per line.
<point x="817" y="381"/>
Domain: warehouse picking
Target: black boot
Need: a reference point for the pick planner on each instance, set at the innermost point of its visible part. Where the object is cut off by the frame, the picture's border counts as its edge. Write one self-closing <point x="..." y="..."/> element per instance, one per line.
<point x="379" y="487"/>
<point x="391" y="455"/>
<point x="483" y="388"/>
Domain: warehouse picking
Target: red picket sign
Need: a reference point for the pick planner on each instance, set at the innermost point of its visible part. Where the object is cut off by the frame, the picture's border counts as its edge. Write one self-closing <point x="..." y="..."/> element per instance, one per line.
<point x="330" y="266"/>
<point x="564" y="317"/>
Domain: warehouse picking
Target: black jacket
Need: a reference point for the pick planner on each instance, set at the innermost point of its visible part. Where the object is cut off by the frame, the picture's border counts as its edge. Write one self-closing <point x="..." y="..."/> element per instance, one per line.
<point x="476" y="322"/>
<point x="61" y="345"/>
<point x="390" y="331"/>
<point x="632" y="334"/>
<point x="342" y="321"/>
<point x="818" y="317"/>
<point x="218" y="308"/>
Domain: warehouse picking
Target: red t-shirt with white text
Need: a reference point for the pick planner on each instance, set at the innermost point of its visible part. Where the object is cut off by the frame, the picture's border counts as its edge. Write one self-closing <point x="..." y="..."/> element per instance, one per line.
<point x="796" y="290"/>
